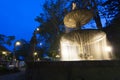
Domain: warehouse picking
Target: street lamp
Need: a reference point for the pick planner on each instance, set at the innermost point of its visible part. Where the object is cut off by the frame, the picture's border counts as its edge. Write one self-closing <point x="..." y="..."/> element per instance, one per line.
<point x="35" y="53"/>
<point x="18" y="43"/>
<point x="36" y="57"/>
<point x="4" y="53"/>
<point x="38" y="29"/>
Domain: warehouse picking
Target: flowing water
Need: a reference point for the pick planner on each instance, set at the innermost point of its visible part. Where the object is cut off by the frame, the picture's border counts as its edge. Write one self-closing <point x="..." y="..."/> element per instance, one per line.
<point x="84" y="45"/>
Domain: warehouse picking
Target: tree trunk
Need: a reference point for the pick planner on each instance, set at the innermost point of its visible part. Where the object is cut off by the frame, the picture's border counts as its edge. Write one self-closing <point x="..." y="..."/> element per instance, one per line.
<point x="98" y="21"/>
<point x="96" y="15"/>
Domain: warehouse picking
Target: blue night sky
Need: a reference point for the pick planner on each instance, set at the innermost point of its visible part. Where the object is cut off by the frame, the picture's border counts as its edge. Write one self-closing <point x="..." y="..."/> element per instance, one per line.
<point x="17" y="17"/>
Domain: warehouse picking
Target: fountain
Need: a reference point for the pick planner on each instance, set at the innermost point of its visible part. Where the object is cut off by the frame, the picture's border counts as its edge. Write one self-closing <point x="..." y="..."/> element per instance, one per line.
<point x="82" y="44"/>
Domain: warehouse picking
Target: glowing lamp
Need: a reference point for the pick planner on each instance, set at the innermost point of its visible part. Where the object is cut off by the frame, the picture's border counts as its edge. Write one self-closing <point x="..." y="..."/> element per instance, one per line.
<point x="38" y="29"/>
<point x="35" y="53"/>
<point x="18" y="43"/>
<point x="4" y="53"/>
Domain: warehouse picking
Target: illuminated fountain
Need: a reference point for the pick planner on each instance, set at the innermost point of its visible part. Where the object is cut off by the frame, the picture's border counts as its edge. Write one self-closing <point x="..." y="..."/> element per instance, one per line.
<point x="83" y="44"/>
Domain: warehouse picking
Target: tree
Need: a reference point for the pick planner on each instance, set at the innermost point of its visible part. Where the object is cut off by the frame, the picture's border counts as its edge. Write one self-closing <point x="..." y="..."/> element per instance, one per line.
<point x="54" y="11"/>
<point x="23" y="50"/>
<point x="6" y="39"/>
<point x="111" y="8"/>
<point x="51" y="21"/>
<point x="113" y="32"/>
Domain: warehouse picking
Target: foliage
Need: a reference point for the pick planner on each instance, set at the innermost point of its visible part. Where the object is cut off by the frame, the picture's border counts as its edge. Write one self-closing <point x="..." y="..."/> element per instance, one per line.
<point x="113" y="34"/>
<point x="52" y="17"/>
<point x="111" y="8"/>
<point x="112" y="12"/>
<point x="6" y="39"/>
<point x="23" y="50"/>
<point x="52" y="21"/>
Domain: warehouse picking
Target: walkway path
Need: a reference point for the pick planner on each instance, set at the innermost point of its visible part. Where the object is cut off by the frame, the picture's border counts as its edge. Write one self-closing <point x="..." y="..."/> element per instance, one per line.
<point x="15" y="76"/>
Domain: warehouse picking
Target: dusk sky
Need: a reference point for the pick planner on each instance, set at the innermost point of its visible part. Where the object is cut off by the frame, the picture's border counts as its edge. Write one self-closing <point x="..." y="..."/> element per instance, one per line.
<point x="17" y="17"/>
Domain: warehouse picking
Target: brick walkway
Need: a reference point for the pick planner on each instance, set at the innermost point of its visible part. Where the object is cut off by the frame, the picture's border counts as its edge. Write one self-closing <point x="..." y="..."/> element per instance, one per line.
<point x="15" y="76"/>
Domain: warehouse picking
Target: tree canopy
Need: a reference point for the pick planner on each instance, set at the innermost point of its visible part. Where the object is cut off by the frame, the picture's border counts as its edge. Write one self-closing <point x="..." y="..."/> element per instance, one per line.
<point x="6" y="39"/>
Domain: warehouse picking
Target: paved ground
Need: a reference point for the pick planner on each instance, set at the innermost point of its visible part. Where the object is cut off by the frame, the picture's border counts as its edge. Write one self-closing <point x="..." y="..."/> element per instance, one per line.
<point x="15" y="76"/>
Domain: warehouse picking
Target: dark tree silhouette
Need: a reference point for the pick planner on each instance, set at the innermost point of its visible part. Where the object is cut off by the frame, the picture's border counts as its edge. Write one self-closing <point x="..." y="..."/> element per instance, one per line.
<point x="51" y="22"/>
<point x="6" y="39"/>
<point x="23" y="50"/>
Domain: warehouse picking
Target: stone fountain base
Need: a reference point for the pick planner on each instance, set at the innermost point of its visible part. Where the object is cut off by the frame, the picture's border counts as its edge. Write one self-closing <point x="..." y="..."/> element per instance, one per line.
<point x="73" y="70"/>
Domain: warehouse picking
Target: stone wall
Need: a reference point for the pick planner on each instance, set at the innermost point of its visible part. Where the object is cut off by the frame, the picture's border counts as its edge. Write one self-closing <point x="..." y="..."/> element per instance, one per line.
<point x="73" y="70"/>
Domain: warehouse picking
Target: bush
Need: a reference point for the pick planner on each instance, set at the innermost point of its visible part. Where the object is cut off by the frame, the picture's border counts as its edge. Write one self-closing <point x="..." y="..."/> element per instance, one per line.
<point x="4" y="70"/>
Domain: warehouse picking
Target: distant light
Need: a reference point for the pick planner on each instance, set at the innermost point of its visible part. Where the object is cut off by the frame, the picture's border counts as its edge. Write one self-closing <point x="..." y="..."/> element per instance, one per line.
<point x="38" y="59"/>
<point x="108" y="49"/>
<point x="35" y="53"/>
<point x="38" y="29"/>
<point x="18" y="43"/>
<point x="4" y="53"/>
<point x="40" y="44"/>
<point x="57" y="56"/>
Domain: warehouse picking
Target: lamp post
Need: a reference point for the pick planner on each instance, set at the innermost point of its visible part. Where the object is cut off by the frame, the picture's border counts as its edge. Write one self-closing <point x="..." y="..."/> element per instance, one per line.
<point x="5" y="55"/>
<point x="17" y="44"/>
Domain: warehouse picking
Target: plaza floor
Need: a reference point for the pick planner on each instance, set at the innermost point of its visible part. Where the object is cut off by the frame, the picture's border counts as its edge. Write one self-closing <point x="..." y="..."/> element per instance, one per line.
<point x="14" y="76"/>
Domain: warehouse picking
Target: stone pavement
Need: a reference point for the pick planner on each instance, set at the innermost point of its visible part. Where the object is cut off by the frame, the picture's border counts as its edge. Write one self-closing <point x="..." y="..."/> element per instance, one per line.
<point x="14" y="76"/>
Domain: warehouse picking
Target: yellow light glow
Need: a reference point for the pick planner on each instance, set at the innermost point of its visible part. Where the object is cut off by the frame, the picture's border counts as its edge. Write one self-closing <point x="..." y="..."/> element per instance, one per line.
<point x="35" y="53"/>
<point x="38" y="29"/>
<point x="57" y="56"/>
<point x="38" y="59"/>
<point x="69" y="52"/>
<point x="18" y="43"/>
<point x="82" y="47"/>
<point x="4" y="53"/>
<point x="108" y="49"/>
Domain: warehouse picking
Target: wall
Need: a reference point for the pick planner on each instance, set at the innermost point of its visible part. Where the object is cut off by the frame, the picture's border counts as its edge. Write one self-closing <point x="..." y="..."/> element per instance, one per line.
<point x="73" y="70"/>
